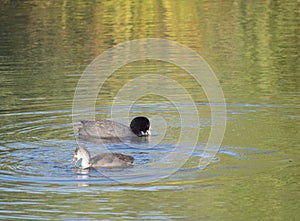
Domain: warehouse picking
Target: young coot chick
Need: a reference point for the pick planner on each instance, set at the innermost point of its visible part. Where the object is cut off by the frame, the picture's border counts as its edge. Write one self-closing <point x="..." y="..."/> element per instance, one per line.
<point x="101" y="160"/>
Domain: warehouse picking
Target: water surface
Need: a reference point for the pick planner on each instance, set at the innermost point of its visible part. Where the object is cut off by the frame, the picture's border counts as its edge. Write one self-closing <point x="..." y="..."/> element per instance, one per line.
<point x="252" y="47"/>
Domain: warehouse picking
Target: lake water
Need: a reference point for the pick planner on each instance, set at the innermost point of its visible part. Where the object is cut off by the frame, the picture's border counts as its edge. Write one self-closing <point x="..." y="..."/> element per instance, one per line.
<point x="253" y="49"/>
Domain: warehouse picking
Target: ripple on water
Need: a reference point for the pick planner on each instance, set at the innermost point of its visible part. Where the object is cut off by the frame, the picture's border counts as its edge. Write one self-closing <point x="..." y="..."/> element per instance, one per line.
<point x="44" y="160"/>
<point x="49" y="161"/>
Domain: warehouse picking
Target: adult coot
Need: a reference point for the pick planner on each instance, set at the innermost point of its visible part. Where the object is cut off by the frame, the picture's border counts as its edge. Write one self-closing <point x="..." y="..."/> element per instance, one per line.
<point x="106" y="129"/>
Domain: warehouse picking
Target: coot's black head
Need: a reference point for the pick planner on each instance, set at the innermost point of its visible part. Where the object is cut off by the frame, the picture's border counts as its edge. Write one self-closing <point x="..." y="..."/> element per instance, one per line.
<point x="140" y="126"/>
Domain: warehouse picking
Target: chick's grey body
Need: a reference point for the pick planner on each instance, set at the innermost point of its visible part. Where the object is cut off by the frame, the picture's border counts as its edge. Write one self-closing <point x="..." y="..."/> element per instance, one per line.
<point x="111" y="160"/>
